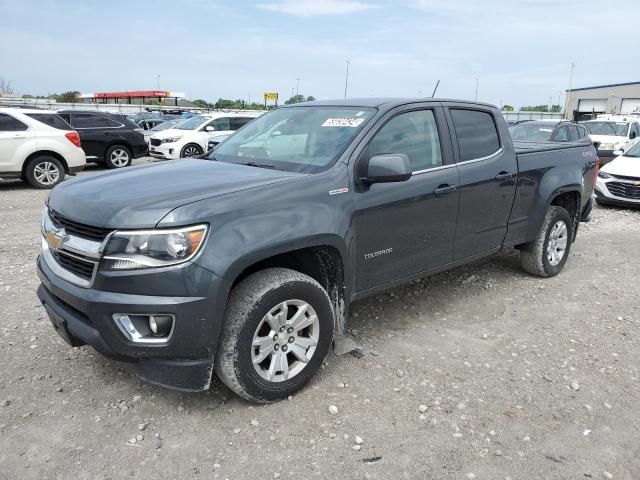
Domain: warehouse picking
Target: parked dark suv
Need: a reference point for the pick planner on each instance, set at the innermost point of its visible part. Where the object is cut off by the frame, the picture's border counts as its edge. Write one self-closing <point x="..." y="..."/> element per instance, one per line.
<point x="548" y="131"/>
<point x="107" y="137"/>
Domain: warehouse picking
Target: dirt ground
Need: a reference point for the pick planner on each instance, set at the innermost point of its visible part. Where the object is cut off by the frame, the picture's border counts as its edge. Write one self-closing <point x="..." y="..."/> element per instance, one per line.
<point x="482" y="372"/>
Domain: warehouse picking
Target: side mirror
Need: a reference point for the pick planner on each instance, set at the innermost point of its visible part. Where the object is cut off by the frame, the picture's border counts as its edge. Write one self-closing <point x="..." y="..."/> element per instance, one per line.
<point x="617" y="153"/>
<point x="209" y="128"/>
<point x="391" y="167"/>
<point x="632" y="135"/>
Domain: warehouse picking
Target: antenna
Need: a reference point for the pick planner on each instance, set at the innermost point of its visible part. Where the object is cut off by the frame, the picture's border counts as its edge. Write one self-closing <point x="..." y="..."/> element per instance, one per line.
<point x="435" y="89"/>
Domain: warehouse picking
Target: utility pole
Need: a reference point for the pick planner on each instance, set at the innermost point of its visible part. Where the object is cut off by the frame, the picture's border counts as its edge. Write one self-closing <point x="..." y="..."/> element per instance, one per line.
<point x="297" y="87"/>
<point x="567" y="99"/>
<point x="477" y="83"/>
<point x="346" y="81"/>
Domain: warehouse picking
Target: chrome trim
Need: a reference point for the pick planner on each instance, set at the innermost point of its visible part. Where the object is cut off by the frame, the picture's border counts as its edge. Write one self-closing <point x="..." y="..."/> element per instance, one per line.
<point x="62" y="272"/>
<point x="441" y="167"/>
<point x="135" y="336"/>
<point x="488" y="157"/>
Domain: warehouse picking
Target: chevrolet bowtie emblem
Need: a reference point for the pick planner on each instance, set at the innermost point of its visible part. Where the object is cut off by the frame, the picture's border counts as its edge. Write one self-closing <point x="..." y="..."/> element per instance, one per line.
<point x="55" y="238"/>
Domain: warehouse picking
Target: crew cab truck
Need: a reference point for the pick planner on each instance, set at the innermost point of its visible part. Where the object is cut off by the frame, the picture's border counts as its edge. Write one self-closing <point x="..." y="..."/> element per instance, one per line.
<point x="245" y="263"/>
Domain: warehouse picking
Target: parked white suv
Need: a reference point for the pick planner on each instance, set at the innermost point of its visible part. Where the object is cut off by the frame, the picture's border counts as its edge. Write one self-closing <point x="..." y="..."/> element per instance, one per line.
<point x="190" y="138"/>
<point x="38" y="146"/>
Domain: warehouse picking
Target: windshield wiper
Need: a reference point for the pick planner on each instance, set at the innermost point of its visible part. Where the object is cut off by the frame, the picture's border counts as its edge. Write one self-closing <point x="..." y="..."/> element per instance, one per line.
<point x="255" y="164"/>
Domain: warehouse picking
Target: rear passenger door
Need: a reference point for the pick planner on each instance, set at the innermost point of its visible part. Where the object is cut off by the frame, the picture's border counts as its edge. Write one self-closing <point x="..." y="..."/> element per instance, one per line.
<point x="487" y="181"/>
<point x="12" y="136"/>
<point x="96" y="133"/>
<point x="237" y="122"/>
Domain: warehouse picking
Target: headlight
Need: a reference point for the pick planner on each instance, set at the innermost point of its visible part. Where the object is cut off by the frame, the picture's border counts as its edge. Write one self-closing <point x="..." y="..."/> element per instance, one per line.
<point x="602" y="174"/>
<point x="606" y="146"/>
<point x="171" y="139"/>
<point x="152" y="248"/>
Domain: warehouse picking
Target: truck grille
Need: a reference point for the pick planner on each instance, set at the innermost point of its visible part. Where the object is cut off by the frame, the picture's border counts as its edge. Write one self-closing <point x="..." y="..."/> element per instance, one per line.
<point x="155" y="142"/>
<point x="80" y="229"/>
<point x="75" y="264"/>
<point x="624" y="190"/>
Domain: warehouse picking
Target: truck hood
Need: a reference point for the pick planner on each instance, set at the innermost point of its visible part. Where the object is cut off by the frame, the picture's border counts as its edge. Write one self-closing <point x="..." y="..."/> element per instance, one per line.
<point x="623" y="166"/>
<point x="139" y="197"/>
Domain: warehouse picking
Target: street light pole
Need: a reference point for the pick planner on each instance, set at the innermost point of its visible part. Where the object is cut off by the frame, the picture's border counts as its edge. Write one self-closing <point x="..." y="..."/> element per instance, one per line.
<point x="297" y="87"/>
<point x="477" y="83"/>
<point x="566" y="100"/>
<point x="346" y="80"/>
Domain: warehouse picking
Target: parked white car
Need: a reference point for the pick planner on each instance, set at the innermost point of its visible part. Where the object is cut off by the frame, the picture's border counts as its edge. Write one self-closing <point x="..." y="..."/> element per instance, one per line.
<point x="614" y="134"/>
<point x="190" y="138"/>
<point x="216" y="140"/>
<point x="619" y="180"/>
<point x="38" y="146"/>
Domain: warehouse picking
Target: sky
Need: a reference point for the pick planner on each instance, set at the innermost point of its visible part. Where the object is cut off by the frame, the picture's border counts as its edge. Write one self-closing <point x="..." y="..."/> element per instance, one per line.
<point x="520" y="51"/>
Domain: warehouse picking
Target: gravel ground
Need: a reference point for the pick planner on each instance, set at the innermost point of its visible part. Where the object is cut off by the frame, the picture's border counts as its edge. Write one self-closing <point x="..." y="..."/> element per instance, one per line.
<point x="482" y="372"/>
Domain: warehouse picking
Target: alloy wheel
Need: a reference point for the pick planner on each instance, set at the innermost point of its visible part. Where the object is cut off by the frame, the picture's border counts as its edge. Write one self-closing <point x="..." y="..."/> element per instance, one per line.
<point x="46" y="173"/>
<point x="285" y="340"/>
<point x="119" y="157"/>
<point x="557" y="245"/>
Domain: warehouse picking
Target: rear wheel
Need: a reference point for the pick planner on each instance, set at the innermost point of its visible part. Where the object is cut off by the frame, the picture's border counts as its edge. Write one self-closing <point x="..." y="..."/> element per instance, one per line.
<point x="117" y="156"/>
<point x="44" y="172"/>
<point x="547" y="254"/>
<point x="277" y="333"/>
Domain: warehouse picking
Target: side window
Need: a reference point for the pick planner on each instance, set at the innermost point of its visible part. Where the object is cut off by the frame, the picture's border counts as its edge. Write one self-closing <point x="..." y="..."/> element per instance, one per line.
<point x="635" y="129"/>
<point x="10" y="124"/>
<point x="220" y="124"/>
<point x="476" y="132"/>
<point x="413" y="133"/>
<point x="573" y="133"/>
<point x="86" y="120"/>
<point x="561" y="135"/>
<point x="582" y="131"/>
<point x="50" y="119"/>
<point x="236" y="122"/>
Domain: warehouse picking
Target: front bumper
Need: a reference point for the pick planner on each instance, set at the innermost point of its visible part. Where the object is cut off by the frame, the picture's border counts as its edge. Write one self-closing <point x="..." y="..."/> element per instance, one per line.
<point x="84" y="316"/>
<point x="605" y="194"/>
<point x="167" y="151"/>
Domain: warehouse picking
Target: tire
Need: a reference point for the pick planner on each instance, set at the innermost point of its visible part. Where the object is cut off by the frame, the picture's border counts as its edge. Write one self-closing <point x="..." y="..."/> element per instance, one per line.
<point x="117" y="156"/>
<point x="190" y="150"/>
<point x="539" y="257"/>
<point x="44" y="172"/>
<point x="255" y="373"/>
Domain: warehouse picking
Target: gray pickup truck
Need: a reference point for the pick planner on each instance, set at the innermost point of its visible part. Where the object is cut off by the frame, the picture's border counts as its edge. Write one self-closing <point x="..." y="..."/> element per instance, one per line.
<point x="245" y="262"/>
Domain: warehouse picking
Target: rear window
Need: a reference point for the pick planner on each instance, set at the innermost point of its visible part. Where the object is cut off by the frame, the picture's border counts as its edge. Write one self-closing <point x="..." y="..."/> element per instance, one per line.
<point x="237" y="122"/>
<point x="476" y="132"/>
<point x="10" y="124"/>
<point x="51" y="119"/>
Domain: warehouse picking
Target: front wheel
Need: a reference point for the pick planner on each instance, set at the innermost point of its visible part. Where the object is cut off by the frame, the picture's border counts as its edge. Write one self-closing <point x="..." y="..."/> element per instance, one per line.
<point x="191" y="150"/>
<point x="547" y="254"/>
<point x="277" y="333"/>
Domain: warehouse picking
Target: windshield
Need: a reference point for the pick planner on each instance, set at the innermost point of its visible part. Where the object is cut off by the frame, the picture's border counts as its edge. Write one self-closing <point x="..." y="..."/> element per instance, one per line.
<point x="607" y="128"/>
<point x="298" y="139"/>
<point x="633" y="151"/>
<point x="164" y="126"/>
<point x="192" y="123"/>
<point x="531" y="133"/>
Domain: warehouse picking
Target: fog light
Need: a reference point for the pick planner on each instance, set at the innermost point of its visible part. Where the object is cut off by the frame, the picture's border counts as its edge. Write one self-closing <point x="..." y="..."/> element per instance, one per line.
<point x="160" y="325"/>
<point x="145" y="328"/>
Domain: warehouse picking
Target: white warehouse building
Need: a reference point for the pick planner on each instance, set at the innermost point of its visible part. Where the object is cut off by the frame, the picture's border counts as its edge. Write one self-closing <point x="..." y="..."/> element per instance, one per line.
<point x="619" y="98"/>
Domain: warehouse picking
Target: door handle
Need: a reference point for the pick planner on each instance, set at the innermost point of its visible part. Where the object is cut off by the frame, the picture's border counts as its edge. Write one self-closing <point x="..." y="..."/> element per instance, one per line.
<point x="444" y="189"/>
<point x="505" y="176"/>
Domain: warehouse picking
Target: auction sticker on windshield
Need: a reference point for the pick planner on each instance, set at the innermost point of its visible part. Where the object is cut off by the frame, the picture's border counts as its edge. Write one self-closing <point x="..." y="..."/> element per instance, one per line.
<point x="343" y="122"/>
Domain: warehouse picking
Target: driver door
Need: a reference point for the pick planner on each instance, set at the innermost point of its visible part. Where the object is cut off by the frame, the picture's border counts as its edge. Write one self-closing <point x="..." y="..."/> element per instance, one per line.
<point x="407" y="227"/>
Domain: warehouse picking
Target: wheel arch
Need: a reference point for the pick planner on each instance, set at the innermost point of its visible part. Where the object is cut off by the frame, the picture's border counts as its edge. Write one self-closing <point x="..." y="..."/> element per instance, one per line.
<point x="325" y="262"/>
<point x="41" y="153"/>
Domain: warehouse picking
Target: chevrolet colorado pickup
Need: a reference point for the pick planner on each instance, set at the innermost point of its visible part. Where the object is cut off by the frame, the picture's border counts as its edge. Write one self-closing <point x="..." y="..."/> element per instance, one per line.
<point x="245" y="263"/>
